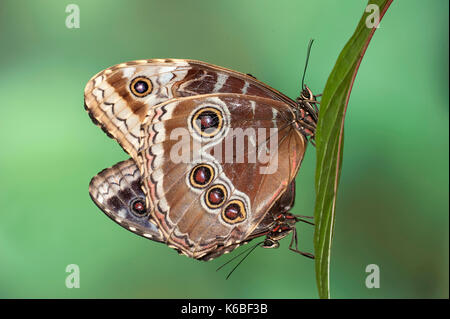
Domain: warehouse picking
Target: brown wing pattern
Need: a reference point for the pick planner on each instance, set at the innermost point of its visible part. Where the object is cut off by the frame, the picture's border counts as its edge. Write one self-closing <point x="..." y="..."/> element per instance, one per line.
<point x="114" y="106"/>
<point x="183" y="212"/>
<point x="283" y="204"/>
<point x="145" y="105"/>
<point x="116" y="190"/>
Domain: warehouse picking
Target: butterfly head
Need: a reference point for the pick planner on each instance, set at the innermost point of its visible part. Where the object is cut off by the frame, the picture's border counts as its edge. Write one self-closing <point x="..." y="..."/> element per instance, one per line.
<point x="306" y="94"/>
<point x="307" y="112"/>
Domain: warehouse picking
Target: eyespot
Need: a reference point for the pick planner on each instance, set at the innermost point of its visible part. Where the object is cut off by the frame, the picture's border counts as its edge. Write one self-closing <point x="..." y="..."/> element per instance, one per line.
<point x="216" y="196"/>
<point x="138" y="207"/>
<point x="207" y="121"/>
<point x="234" y="212"/>
<point x="201" y="175"/>
<point x="141" y="86"/>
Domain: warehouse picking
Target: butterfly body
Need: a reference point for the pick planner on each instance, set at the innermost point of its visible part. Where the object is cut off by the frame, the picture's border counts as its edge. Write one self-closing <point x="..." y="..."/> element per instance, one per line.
<point x="177" y="120"/>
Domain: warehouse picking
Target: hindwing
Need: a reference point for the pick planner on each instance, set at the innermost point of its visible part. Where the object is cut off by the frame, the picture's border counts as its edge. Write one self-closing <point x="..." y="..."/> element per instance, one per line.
<point x="117" y="192"/>
<point x="205" y="197"/>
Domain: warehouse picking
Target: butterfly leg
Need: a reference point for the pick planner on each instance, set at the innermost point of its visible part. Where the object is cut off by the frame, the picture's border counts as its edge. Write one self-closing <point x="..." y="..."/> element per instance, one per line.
<point x="295" y="239"/>
<point x="312" y="101"/>
<point x="301" y="218"/>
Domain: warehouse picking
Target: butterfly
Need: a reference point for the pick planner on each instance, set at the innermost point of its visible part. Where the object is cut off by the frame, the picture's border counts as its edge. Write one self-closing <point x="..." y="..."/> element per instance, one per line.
<point x="214" y="154"/>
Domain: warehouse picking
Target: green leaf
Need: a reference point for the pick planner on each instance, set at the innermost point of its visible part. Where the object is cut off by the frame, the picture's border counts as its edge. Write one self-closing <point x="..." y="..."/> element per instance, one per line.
<point x="329" y="140"/>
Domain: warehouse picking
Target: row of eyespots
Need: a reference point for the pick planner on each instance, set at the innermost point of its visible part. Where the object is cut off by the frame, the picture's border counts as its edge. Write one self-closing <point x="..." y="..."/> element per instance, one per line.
<point x="216" y="195"/>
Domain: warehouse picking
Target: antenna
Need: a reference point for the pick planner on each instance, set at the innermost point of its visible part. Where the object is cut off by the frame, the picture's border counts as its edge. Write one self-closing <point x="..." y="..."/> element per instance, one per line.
<point x="248" y="251"/>
<point x="308" y="52"/>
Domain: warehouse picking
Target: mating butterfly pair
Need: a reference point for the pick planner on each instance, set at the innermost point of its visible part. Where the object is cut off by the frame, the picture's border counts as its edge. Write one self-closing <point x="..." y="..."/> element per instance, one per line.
<point x="197" y="202"/>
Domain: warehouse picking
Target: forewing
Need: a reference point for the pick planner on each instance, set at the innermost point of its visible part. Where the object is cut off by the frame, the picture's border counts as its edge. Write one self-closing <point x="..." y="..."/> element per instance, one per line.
<point x="114" y="105"/>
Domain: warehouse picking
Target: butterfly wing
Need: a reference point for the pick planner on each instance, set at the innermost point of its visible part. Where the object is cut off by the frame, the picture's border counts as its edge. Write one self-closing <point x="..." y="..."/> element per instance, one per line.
<point x="282" y="205"/>
<point x="205" y="198"/>
<point x="117" y="192"/>
<point x="118" y="99"/>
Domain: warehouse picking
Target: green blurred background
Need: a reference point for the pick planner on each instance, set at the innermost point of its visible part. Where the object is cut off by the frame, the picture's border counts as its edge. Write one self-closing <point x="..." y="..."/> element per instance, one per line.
<point x="393" y="204"/>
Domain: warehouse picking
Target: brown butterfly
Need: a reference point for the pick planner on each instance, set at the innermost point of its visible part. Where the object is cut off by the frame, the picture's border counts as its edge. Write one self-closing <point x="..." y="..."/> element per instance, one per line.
<point x="184" y="184"/>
